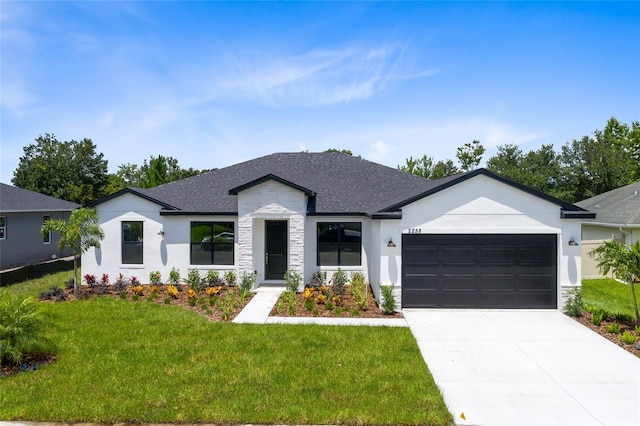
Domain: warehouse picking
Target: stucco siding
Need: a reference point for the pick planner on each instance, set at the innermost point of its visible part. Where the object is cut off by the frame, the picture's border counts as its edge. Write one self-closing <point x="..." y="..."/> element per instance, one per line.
<point x="24" y="242"/>
<point x="160" y="253"/>
<point x="482" y="205"/>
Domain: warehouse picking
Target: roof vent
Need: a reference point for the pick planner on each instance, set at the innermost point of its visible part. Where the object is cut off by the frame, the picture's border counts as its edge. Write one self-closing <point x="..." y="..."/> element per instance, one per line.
<point x="597" y="206"/>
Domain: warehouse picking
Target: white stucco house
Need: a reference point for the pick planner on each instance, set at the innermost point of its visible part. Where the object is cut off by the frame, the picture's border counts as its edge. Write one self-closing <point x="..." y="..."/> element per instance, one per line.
<point x="617" y="216"/>
<point x="474" y="240"/>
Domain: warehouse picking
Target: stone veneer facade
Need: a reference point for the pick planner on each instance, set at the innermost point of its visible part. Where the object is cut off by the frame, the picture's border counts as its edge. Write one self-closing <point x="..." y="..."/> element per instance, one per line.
<point x="269" y="200"/>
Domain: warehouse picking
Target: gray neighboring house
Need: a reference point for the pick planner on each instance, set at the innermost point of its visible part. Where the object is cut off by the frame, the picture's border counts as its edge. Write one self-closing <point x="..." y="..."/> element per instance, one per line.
<point x="617" y="217"/>
<point x="22" y="213"/>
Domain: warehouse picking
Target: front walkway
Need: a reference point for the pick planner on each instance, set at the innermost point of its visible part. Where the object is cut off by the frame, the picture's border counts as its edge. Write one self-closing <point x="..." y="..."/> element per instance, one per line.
<point x="258" y="309"/>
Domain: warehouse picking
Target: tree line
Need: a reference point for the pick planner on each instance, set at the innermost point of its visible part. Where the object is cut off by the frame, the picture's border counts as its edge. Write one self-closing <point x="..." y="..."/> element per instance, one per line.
<point x="75" y="171"/>
<point x="607" y="159"/>
<point x="591" y="165"/>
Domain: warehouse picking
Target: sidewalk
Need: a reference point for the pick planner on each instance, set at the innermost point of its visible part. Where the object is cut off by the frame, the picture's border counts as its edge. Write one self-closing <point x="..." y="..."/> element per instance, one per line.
<point x="258" y="309"/>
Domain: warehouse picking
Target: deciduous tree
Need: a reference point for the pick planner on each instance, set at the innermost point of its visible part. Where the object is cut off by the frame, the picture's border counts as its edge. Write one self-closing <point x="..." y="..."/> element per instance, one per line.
<point x="70" y="170"/>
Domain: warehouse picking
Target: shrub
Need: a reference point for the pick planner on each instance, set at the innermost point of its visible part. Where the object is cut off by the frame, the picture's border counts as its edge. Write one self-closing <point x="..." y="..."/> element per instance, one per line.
<point x="230" y="278"/>
<point x="213" y="277"/>
<point x="172" y="291"/>
<point x="628" y="337"/>
<point x="597" y="317"/>
<point x="212" y="291"/>
<point x="55" y="293"/>
<point x="573" y="304"/>
<point x="359" y="290"/>
<point x="339" y="280"/>
<point x="613" y="328"/>
<point x="321" y="299"/>
<point x="247" y="283"/>
<point x="154" y="289"/>
<point x="134" y="280"/>
<point x="192" y="294"/>
<point x="155" y="277"/>
<point x="289" y="300"/>
<point x="388" y="301"/>
<point x="90" y="279"/>
<point x="167" y="300"/>
<point x="308" y="293"/>
<point x="308" y="304"/>
<point x="194" y="280"/>
<point x="292" y="280"/>
<point x="624" y="317"/>
<point x="138" y="290"/>
<point x="22" y="326"/>
<point x="318" y="278"/>
<point x="174" y="276"/>
<point x="120" y="284"/>
<point x="105" y="279"/>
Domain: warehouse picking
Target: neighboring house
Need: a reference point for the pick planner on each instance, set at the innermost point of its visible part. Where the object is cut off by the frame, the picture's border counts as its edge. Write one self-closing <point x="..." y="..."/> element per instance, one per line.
<point x="617" y="217"/>
<point x="22" y="213"/>
<point x="471" y="240"/>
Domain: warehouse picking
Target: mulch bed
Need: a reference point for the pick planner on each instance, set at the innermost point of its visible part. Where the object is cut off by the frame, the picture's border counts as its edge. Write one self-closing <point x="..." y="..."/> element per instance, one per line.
<point x="202" y="300"/>
<point x="348" y="309"/>
<point x="601" y="329"/>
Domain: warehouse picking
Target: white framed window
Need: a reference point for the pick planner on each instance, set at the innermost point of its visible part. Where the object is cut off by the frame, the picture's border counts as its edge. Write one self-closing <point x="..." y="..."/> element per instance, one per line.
<point x="46" y="236"/>
<point x="132" y="242"/>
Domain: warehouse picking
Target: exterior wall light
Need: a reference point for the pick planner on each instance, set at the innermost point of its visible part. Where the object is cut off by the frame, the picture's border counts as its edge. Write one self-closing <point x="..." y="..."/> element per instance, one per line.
<point x="161" y="233"/>
<point x="573" y="242"/>
<point x="391" y="243"/>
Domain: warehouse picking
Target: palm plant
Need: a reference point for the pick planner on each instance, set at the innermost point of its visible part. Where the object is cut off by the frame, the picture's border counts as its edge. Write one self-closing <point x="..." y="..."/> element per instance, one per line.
<point x="623" y="261"/>
<point x="21" y="328"/>
<point x="79" y="233"/>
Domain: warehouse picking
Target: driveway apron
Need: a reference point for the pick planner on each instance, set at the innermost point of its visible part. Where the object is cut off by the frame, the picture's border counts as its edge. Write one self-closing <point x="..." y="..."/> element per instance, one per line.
<point x="526" y="367"/>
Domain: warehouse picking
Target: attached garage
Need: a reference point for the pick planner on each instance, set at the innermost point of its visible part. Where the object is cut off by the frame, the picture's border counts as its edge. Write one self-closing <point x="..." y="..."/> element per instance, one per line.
<point x="492" y="271"/>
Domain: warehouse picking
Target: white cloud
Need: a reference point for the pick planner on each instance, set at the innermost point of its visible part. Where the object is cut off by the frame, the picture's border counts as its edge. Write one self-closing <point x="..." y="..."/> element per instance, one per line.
<point x="318" y="77"/>
<point x="379" y="152"/>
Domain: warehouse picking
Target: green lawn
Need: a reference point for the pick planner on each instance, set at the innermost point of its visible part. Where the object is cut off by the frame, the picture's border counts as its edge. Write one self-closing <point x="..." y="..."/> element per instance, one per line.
<point x="608" y="295"/>
<point x="123" y="361"/>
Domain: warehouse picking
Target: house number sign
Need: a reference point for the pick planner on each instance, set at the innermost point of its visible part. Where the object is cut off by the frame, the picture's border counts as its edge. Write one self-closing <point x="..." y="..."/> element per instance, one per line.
<point x="415" y="230"/>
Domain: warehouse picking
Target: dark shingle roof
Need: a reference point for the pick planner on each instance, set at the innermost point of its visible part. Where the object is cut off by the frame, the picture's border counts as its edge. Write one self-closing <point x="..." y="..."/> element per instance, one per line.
<point x="14" y="199"/>
<point x="619" y="206"/>
<point x="342" y="184"/>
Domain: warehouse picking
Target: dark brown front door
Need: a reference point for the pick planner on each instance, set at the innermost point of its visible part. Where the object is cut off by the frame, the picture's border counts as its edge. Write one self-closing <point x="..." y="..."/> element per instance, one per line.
<point x="276" y="249"/>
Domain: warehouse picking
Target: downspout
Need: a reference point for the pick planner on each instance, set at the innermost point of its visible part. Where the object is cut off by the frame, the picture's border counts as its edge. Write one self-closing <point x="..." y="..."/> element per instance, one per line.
<point x="628" y="233"/>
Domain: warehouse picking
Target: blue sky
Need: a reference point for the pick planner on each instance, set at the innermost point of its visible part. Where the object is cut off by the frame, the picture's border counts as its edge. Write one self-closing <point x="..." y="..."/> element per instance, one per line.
<point x="214" y="83"/>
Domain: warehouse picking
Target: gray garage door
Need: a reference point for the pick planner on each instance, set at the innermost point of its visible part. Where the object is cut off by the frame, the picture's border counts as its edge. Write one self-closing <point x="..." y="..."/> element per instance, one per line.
<point x="479" y="271"/>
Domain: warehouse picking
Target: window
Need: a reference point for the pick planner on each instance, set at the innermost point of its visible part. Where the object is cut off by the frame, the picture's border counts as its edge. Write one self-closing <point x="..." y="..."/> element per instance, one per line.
<point x="3" y="227"/>
<point x="132" y="237"/>
<point x="339" y="243"/>
<point x="46" y="236"/>
<point x="212" y="243"/>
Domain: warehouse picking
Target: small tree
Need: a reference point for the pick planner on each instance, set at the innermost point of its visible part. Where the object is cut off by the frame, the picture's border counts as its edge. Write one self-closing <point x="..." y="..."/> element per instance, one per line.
<point x="79" y="233"/>
<point x="623" y="261"/>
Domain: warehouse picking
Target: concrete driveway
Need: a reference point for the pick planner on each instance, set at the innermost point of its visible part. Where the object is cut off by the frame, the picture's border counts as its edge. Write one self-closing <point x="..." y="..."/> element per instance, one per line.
<point x="526" y="367"/>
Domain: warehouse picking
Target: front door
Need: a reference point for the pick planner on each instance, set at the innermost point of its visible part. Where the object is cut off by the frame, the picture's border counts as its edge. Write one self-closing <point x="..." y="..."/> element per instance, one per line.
<point x="276" y="249"/>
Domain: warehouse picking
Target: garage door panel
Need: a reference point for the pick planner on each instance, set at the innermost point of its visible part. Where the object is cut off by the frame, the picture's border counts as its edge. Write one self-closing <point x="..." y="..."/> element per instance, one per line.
<point x="479" y="271"/>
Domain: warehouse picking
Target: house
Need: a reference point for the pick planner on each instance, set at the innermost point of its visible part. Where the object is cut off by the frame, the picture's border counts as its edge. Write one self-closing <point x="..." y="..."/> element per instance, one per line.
<point x="470" y="240"/>
<point x="617" y="217"/>
<point x="22" y="213"/>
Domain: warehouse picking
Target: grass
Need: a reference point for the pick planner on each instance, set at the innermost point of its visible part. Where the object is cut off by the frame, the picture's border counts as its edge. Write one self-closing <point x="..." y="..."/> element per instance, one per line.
<point x="121" y="361"/>
<point x="607" y="295"/>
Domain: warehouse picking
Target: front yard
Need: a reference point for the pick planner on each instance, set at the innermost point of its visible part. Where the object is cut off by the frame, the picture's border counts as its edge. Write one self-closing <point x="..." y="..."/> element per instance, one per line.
<point x="124" y="361"/>
<point x="608" y="311"/>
